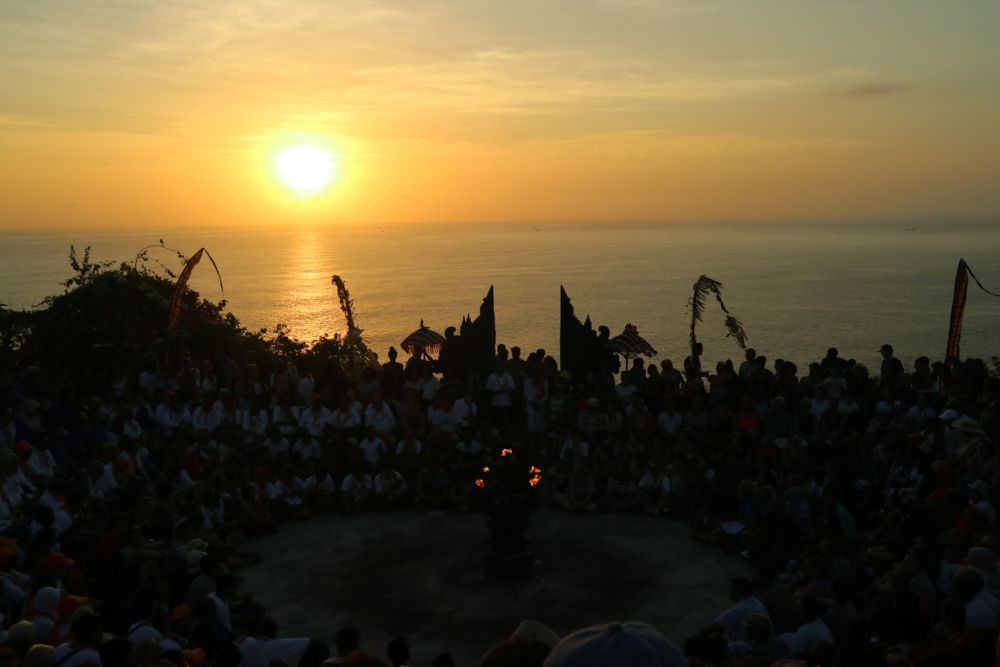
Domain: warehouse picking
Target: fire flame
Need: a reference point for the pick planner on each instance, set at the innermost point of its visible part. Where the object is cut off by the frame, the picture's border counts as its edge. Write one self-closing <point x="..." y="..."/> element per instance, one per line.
<point x="486" y="468"/>
<point x="534" y="471"/>
<point x="506" y="452"/>
<point x="535" y="481"/>
<point x="481" y="483"/>
<point x="536" y="476"/>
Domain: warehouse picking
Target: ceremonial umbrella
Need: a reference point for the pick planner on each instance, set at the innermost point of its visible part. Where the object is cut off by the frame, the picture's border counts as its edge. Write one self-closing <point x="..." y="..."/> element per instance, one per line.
<point x="630" y="343"/>
<point x="423" y="340"/>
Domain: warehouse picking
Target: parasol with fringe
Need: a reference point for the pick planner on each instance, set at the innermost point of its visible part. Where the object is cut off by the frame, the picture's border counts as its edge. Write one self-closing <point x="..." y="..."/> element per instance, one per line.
<point x="423" y="341"/>
<point x="630" y="344"/>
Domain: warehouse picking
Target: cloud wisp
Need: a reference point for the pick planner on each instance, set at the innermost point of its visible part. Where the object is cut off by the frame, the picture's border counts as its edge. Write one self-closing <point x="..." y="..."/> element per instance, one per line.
<point x="871" y="89"/>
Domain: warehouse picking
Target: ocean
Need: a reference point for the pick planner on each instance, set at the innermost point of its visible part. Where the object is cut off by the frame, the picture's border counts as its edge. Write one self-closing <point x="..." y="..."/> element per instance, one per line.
<point x="798" y="288"/>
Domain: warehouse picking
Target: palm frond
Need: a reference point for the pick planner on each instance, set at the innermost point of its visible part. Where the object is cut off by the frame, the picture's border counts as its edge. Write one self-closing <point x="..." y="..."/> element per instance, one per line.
<point x="737" y="331"/>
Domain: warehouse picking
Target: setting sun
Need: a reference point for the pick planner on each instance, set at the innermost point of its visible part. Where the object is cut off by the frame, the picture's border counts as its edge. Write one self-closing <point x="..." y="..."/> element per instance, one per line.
<point x="306" y="169"/>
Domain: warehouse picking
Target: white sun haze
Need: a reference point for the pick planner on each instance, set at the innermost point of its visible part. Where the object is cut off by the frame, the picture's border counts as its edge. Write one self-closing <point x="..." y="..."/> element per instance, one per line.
<point x="306" y="169"/>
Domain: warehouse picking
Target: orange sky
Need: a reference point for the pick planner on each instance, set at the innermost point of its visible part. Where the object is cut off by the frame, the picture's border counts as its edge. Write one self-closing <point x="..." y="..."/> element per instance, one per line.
<point x="170" y="113"/>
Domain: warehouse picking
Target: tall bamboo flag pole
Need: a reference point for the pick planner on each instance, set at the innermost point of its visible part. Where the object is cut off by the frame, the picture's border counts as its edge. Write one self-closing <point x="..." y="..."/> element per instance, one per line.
<point x="958" y="299"/>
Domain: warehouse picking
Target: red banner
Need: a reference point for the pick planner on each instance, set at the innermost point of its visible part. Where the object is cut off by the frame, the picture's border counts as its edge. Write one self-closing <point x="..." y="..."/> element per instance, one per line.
<point x="957" y="311"/>
<point x="182" y="280"/>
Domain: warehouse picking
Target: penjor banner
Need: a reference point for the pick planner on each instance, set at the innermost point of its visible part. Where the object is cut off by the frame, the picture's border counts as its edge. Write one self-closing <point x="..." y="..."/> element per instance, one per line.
<point x="958" y="299"/>
<point x="958" y="308"/>
<point x="182" y="281"/>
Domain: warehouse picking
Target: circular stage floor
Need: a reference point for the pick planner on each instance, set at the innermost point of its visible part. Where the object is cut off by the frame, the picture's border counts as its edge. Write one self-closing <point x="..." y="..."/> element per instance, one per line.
<point x="421" y="576"/>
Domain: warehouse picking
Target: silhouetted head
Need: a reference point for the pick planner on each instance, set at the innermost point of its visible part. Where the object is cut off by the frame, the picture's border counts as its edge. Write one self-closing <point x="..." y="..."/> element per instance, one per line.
<point x="398" y="651"/>
<point x="348" y="640"/>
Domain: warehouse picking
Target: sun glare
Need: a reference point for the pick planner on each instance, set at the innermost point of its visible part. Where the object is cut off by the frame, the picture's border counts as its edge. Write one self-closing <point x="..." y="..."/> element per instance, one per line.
<point x="306" y="169"/>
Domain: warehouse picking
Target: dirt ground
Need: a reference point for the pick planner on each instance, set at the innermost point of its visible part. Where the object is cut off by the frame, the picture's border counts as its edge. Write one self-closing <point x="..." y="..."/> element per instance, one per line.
<point x="421" y="576"/>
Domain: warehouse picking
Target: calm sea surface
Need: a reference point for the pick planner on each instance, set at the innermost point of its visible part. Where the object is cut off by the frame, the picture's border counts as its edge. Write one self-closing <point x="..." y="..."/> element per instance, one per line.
<point x="798" y="288"/>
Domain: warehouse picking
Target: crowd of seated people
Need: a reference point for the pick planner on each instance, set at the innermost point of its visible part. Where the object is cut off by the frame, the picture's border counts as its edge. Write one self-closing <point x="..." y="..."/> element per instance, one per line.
<point x="862" y="497"/>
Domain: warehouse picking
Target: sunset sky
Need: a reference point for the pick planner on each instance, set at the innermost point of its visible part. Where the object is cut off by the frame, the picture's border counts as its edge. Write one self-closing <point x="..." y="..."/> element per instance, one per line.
<point x="172" y="113"/>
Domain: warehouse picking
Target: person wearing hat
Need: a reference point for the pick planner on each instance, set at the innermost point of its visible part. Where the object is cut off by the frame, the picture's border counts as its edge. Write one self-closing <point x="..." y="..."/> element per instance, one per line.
<point x="528" y="646"/>
<point x="615" y="645"/>
<point x="39" y="655"/>
<point x="21" y="636"/>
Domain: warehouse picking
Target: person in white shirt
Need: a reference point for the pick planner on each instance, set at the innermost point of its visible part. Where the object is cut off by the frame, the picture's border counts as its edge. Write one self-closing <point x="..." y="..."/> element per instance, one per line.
<point x="253" y="420"/>
<point x="207" y="382"/>
<point x="574" y="449"/>
<point x="260" y="648"/>
<point x="62" y="520"/>
<point x="729" y="624"/>
<point x="307" y="447"/>
<point x="205" y="417"/>
<point x="379" y="416"/>
<point x="670" y="420"/>
<point x="286" y="501"/>
<point x="536" y="401"/>
<point x="468" y="446"/>
<point x="440" y="417"/>
<point x="305" y="388"/>
<point x="464" y="410"/>
<point x="654" y="492"/>
<point x="811" y="633"/>
<point x="500" y="385"/>
<point x="315" y="418"/>
<point x="429" y="385"/>
<point x="390" y="488"/>
<point x="14" y="491"/>
<point x="41" y="463"/>
<point x="130" y="428"/>
<point x="102" y="479"/>
<point x="356" y="491"/>
<point x="372" y="447"/>
<point x="171" y="414"/>
<point x="285" y="417"/>
<point x="227" y="588"/>
<point x="347" y="416"/>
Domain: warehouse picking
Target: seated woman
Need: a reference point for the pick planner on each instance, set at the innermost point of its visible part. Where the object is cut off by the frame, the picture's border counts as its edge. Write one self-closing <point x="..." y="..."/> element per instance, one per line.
<point x="391" y="489"/>
<point x="579" y="494"/>
<point x="432" y="486"/>
<point x="356" y="491"/>
<point x="653" y="494"/>
<point x="620" y="493"/>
